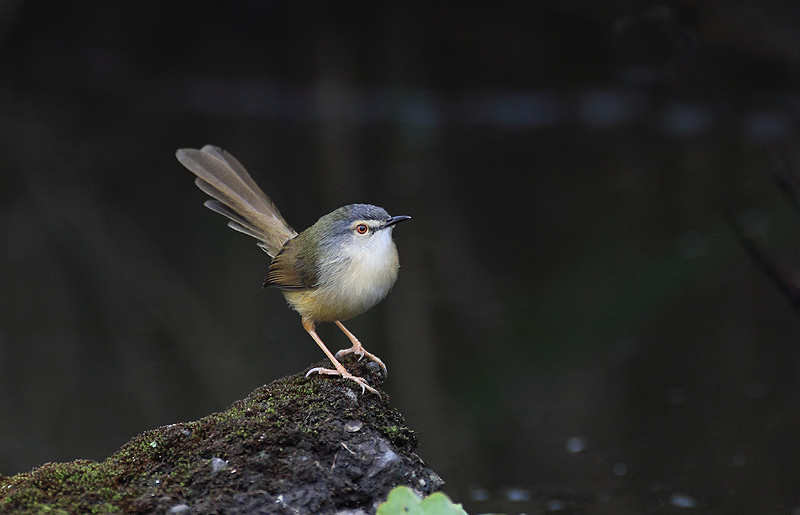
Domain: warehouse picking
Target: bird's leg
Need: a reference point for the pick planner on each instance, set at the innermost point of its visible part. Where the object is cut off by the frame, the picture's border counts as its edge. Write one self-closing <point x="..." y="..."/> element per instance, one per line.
<point x="308" y="325"/>
<point x="358" y="349"/>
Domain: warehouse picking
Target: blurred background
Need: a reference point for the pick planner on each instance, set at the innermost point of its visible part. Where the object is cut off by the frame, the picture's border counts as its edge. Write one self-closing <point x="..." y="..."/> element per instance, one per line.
<point x="575" y="327"/>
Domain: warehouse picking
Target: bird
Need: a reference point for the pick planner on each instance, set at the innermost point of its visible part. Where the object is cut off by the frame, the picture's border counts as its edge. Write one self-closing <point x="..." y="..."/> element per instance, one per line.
<point x="338" y="268"/>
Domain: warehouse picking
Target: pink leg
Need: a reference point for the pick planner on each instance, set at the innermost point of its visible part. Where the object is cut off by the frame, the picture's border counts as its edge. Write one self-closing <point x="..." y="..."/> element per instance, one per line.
<point x="340" y="370"/>
<point x="359" y="349"/>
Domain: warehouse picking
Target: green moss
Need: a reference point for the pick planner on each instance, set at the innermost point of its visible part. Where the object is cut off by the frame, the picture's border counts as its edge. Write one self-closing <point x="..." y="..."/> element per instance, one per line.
<point x="81" y="486"/>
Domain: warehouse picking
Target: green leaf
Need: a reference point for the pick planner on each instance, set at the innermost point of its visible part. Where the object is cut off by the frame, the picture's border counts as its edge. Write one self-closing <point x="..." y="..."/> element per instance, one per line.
<point x="439" y="504"/>
<point x="404" y="501"/>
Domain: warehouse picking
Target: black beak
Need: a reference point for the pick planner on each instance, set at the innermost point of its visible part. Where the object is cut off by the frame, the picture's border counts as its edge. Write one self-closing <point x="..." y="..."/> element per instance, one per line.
<point x="396" y="219"/>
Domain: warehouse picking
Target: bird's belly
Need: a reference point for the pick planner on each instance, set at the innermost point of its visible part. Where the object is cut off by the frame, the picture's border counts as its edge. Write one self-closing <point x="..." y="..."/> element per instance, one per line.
<point x="326" y="305"/>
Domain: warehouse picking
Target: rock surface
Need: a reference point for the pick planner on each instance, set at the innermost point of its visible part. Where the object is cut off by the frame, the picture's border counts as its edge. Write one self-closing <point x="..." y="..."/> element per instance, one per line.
<point x="298" y="445"/>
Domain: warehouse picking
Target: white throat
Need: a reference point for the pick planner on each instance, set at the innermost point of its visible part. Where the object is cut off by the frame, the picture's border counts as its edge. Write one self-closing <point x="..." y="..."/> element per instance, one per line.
<point x="366" y="272"/>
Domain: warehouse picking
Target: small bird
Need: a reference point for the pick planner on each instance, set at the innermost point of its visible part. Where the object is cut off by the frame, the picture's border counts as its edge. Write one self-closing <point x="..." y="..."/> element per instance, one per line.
<point x="335" y="270"/>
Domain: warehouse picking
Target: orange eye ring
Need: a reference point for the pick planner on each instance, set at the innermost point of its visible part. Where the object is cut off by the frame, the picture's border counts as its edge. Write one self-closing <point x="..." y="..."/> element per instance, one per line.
<point x="362" y="228"/>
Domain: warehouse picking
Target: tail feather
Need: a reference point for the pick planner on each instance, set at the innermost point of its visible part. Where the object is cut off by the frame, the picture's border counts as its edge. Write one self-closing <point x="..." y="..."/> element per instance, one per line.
<point x="236" y="221"/>
<point x="237" y="196"/>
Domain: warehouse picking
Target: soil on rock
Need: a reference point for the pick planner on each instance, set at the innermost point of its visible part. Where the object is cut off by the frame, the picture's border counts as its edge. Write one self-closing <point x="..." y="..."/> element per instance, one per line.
<point x="298" y="445"/>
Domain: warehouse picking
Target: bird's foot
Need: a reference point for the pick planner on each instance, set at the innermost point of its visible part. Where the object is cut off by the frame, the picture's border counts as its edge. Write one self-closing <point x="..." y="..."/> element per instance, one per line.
<point x="345" y="374"/>
<point x="359" y="351"/>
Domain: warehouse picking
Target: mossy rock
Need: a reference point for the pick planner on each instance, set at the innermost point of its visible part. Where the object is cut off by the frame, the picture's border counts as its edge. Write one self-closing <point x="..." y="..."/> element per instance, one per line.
<point x="297" y="445"/>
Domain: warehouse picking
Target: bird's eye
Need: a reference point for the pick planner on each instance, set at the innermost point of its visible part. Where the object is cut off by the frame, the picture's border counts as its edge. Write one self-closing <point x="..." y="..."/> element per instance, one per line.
<point x="362" y="228"/>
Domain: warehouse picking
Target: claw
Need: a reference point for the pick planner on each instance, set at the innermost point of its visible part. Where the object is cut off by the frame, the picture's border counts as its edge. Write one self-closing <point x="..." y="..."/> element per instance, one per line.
<point x="361" y="352"/>
<point x="359" y="349"/>
<point x="346" y="375"/>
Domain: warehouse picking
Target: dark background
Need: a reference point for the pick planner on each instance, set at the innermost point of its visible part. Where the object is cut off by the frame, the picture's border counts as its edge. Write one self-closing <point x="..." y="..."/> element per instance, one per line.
<point x="575" y="325"/>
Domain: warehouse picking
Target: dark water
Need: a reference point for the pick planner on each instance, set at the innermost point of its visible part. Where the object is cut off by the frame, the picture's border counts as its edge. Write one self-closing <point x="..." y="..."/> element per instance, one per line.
<point x="575" y="328"/>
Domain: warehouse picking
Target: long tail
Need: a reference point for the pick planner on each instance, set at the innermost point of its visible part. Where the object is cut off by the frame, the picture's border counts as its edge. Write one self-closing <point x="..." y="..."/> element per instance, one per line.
<point x="237" y="196"/>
